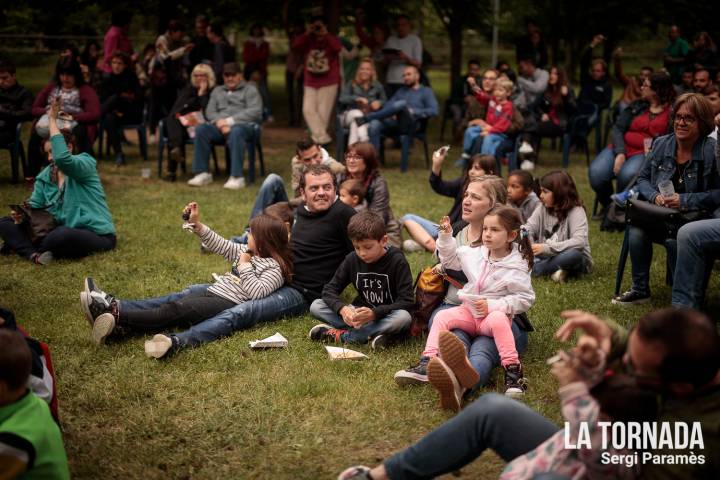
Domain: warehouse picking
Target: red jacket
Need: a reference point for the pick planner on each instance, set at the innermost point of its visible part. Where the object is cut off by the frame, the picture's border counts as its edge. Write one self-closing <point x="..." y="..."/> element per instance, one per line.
<point x="499" y="117"/>
<point x="256" y="55"/>
<point x="90" y="116"/>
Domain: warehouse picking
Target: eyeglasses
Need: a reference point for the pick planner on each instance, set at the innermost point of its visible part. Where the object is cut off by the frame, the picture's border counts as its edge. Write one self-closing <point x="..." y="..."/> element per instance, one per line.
<point x="687" y="119"/>
<point x="642" y="379"/>
<point x="489" y="78"/>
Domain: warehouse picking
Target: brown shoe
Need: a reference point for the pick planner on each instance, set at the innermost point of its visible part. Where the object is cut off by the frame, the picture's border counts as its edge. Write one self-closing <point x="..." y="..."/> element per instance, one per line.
<point x="442" y="378"/>
<point x="453" y="353"/>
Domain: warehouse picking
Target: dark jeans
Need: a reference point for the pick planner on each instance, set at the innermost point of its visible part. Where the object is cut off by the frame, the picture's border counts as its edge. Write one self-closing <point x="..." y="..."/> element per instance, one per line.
<point x="294" y="91"/>
<point x="112" y="125"/>
<point x="601" y="173"/>
<point x="179" y="310"/>
<point x="571" y="260"/>
<point x="63" y="242"/>
<point x="177" y="136"/>
<point x="508" y="427"/>
<point x="641" y="253"/>
<point x="37" y="158"/>
<point x="403" y="123"/>
<point x="698" y="244"/>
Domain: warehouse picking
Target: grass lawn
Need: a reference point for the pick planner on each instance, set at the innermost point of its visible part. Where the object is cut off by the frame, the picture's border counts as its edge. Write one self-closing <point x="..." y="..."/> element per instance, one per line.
<point x="223" y="410"/>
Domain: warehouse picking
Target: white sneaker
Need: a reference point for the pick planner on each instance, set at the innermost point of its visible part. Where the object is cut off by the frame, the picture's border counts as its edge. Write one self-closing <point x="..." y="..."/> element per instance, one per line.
<point x="411" y="245"/>
<point x="201" y="179"/>
<point x="527" y="165"/>
<point x="158" y="347"/>
<point x="559" y="276"/>
<point x="525" y="148"/>
<point x="235" y="183"/>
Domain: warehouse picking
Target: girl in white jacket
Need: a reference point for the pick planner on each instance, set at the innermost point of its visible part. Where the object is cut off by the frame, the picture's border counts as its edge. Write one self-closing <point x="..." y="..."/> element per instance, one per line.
<point x="498" y="288"/>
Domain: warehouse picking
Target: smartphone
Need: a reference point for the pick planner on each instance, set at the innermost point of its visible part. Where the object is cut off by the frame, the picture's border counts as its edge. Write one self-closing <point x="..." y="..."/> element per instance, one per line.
<point x="186" y="214"/>
<point x="443" y="150"/>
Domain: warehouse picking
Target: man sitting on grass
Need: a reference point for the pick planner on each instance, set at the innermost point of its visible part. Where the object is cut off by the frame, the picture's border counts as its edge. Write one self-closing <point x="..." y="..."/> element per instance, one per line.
<point x="381" y="276"/>
<point x="30" y="442"/>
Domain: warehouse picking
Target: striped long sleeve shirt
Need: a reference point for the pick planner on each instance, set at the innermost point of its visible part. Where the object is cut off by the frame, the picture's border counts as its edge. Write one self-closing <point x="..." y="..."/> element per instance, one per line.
<point x="254" y="280"/>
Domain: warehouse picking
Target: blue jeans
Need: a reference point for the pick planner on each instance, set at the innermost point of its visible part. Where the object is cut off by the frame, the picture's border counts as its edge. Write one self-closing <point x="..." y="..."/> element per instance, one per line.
<point x="482" y="351"/>
<point x="395" y="322"/>
<point x="491" y="143"/>
<point x="571" y="260"/>
<point x="207" y="135"/>
<point x="508" y="427"/>
<point x="697" y="243"/>
<point x="285" y="301"/>
<point x="471" y="133"/>
<point x="641" y="251"/>
<point x="430" y="227"/>
<point x="157" y="302"/>
<point x="601" y="173"/>
<point x="404" y="124"/>
<point x="271" y="191"/>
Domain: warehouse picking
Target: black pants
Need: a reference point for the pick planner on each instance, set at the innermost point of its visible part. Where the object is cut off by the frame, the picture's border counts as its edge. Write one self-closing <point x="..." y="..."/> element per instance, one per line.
<point x="294" y="90"/>
<point x="115" y="114"/>
<point x="63" y="242"/>
<point x="185" y="312"/>
<point x="37" y="158"/>
<point x="177" y="135"/>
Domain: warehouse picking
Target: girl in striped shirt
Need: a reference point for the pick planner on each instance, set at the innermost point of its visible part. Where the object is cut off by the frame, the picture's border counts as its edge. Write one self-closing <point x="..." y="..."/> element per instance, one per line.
<point x="258" y="269"/>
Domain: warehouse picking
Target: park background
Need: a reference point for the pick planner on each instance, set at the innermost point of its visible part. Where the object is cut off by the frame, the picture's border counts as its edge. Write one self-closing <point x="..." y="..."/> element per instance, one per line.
<point x="223" y="410"/>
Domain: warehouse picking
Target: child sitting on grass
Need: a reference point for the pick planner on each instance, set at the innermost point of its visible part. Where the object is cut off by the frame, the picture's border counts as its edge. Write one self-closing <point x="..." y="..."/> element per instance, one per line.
<point x="258" y="269"/>
<point x="521" y="194"/>
<point x="352" y="193"/>
<point x="589" y="394"/>
<point x="31" y="445"/>
<point x="498" y="270"/>
<point x="559" y="229"/>
<point x="381" y="276"/>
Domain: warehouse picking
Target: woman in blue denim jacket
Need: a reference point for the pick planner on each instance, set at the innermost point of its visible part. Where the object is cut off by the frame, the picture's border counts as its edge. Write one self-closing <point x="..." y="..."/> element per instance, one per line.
<point x="686" y="157"/>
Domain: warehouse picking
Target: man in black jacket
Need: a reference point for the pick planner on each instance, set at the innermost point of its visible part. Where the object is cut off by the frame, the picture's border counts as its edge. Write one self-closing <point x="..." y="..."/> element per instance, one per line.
<point x="15" y="103"/>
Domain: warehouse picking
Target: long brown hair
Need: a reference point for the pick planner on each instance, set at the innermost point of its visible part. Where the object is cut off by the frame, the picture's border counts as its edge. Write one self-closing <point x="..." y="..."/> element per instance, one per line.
<point x="511" y="220"/>
<point x="565" y="194"/>
<point x="553" y="92"/>
<point x="272" y="241"/>
<point x="369" y="156"/>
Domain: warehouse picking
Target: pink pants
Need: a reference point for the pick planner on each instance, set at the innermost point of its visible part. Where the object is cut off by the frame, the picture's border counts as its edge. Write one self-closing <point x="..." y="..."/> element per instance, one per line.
<point x="496" y="325"/>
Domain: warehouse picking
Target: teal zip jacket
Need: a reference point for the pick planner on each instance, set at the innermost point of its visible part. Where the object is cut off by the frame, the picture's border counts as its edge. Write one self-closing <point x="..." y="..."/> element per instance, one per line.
<point x="81" y="202"/>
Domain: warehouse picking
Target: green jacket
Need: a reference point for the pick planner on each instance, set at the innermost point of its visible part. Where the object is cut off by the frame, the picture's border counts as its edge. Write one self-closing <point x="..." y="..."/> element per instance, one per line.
<point x="703" y="407"/>
<point x="81" y="202"/>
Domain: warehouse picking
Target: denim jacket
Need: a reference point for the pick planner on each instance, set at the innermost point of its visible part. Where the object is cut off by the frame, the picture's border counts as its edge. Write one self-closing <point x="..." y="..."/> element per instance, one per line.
<point x="351" y="92"/>
<point x="660" y="165"/>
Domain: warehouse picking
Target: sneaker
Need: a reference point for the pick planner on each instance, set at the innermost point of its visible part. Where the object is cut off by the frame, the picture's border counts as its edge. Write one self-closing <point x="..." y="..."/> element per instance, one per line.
<point x="160" y="345"/>
<point x="525" y="147"/>
<point x="415" y="375"/>
<point x="95" y="302"/>
<point x="380" y="342"/>
<point x="235" y="183"/>
<point x="559" y="276"/>
<point x="358" y="472"/>
<point x="631" y="297"/>
<point x="201" y="179"/>
<point x="442" y="378"/>
<point x="411" y="245"/>
<point x="454" y="355"/>
<point x="515" y="382"/>
<point x="621" y="198"/>
<point x="103" y="326"/>
<point x="44" y="258"/>
<point x="324" y="332"/>
<point x="527" y="165"/>
<point x="119" y="159"/>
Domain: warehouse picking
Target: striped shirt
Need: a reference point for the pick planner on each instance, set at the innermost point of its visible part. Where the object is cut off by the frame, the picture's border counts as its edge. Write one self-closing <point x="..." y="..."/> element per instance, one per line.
<point x="254" y="280"/>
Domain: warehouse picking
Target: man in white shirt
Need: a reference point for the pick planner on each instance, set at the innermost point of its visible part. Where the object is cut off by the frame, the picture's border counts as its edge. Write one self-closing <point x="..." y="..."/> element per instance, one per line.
<point x="408" y="47"/>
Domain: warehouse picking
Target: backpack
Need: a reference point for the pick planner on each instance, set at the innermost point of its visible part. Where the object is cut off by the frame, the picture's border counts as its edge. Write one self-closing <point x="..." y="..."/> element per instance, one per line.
<point x="430" y="290"/>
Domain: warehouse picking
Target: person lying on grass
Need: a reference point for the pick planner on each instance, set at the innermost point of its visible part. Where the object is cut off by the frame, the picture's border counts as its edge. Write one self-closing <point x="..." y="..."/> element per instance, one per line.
<point x="381" y="276"/>
<point x="258" y="269"/>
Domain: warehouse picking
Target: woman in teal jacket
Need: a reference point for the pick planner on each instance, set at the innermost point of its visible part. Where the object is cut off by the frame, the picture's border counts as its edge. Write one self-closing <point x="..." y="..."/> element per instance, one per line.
<point x="70" y="189"/>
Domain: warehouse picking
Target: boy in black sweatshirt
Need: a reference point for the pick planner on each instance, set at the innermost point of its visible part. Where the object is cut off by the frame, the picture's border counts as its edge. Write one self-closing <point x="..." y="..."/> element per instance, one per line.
<point x="381" y="276"/>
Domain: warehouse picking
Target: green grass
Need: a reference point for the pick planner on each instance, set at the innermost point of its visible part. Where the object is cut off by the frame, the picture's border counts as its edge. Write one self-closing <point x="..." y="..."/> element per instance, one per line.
<point x="223" y="410"/>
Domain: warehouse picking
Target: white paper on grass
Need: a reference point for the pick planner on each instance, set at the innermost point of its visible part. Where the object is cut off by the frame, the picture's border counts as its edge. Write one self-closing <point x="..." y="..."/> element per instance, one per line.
<point x="273" y="341"/>
<point x="339" y="353"/>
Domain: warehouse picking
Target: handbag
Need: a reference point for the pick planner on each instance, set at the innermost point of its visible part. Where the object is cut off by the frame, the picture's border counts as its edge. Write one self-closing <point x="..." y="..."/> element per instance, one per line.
<point x="38" y="221"/>
<point x="659" y="222"/>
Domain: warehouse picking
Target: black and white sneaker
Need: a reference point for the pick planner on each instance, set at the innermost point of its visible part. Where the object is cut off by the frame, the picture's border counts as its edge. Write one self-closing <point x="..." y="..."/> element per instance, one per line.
<point x="631" y="297"/>
<point x="415" y="375"/>
<point x="380" y="342"/>
<point x="515" y="382"/>
<point x="95" y="302"/>
<point x="161" y="346"/>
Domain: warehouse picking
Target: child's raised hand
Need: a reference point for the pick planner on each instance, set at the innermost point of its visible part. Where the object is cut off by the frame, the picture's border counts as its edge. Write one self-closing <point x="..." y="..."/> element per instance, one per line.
<point x="481" y="306"/>
<point x="445" y="225"/>
<point x="565" y="370"/>
<point x="191" y="213"/>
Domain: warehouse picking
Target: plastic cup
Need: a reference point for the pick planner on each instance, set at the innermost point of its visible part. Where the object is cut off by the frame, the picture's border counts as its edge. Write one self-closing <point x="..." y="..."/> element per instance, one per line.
<point x="666" y="188"/>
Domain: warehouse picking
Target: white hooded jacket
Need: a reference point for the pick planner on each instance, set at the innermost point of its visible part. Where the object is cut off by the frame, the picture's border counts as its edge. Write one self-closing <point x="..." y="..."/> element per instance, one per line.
<point x="504" y="283"/>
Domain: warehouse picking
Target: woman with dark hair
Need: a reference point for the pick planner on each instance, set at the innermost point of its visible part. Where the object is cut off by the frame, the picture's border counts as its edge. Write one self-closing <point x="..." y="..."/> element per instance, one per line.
<point x="633" y="132"/>
<point x="686" y="158"/>
<point x="80" y="111"/>
<point x="89" y="59"/>
<point x="361" y="163"/>
<point x="122" y="102"/>
<point x="554" y="109"/>
<point x="69" y="189"/>
<point x="704" y="53"/>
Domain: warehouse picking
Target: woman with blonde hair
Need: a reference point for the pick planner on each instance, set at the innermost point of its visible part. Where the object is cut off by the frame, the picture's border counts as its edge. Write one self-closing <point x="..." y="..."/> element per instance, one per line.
<point x="187" y="112"/>
<point x="362" y="95"/>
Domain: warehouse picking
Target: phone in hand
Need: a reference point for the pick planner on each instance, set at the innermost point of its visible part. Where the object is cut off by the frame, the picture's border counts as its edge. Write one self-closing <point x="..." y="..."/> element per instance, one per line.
<point x="443" y="150"/>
